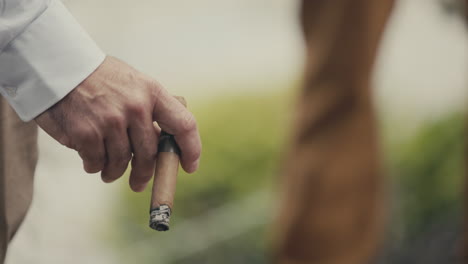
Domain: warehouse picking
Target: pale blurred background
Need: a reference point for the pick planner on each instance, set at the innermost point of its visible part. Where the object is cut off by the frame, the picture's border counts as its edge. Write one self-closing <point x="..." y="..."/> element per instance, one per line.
<point x="238" y="63"/>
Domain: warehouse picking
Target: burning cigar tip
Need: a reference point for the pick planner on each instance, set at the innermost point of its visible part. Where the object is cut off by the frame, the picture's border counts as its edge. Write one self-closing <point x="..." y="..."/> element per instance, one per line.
<point x="160" y="217"/>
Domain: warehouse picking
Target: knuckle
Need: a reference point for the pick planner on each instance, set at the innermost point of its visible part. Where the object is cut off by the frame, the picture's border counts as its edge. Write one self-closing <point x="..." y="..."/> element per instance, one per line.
<point x="87" y="135"/>
<point x="147" y="154"/>
<point x="189" y="123"/>
<point x="136" y="110"/>
<point x="155" y="87"/>
<point x="157" y="92"/>
<point x="115" y="120"/>
<point x="122" y="159"/>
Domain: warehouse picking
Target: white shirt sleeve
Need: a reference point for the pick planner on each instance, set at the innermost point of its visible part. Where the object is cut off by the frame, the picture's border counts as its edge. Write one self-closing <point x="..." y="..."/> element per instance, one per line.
<point x="44" y="54"/>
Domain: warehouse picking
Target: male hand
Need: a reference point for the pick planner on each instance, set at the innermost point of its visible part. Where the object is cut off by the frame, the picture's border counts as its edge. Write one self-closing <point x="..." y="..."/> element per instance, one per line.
<point x="110" y="115"/>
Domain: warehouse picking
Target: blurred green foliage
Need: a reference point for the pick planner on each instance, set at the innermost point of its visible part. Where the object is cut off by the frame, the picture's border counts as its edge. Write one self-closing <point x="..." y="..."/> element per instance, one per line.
<point x="242" y="138"/>
<point x="428" y="173"/>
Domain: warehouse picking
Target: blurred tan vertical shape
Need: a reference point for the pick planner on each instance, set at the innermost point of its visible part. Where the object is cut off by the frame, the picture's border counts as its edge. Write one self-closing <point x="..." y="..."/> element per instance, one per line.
<point x="332" y="206"/>
<point x="465" y="207"/>
<point x="18" y="157"/>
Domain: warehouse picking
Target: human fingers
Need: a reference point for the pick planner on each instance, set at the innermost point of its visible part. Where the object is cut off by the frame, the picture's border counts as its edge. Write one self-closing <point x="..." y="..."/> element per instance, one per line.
<point x="49" y="123"/>
<point x="143" y="140"/>
<point x="174" y="118"/>
<point x="90" y="147"/>
<point x="85" y="140"/>
<point x="118" y="152"/>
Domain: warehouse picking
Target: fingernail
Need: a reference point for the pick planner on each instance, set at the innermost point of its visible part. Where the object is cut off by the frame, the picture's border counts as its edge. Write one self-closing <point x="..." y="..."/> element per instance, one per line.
<point x="91" y="168"/>
<point x="140" y="187"/>
<point x="194" y="166"/>
<point x="107" y="180"/>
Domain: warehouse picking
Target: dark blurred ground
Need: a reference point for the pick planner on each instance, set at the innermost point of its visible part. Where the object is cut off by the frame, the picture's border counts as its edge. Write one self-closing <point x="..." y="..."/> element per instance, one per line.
<point x="438" y="245"/>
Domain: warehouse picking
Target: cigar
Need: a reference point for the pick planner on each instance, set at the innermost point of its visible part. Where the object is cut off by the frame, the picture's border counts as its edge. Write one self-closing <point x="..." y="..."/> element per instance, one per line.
<point x="165" y="179"/>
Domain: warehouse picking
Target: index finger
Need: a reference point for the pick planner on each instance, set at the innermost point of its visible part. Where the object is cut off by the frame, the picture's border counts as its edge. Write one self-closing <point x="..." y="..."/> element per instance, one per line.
<point x="174" y="118"/>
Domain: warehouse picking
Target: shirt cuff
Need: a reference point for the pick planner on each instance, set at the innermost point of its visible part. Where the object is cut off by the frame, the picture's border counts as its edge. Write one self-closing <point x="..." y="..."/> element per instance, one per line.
<point x="47" y="61"/>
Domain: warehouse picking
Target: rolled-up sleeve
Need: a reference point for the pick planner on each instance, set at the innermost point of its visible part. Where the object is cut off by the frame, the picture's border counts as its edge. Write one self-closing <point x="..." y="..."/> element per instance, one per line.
<point x="44" y="54"/>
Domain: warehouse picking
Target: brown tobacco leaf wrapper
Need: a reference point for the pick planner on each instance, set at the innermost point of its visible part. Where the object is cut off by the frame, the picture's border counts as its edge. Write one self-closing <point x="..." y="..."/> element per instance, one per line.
<point x="165" y="180"/>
